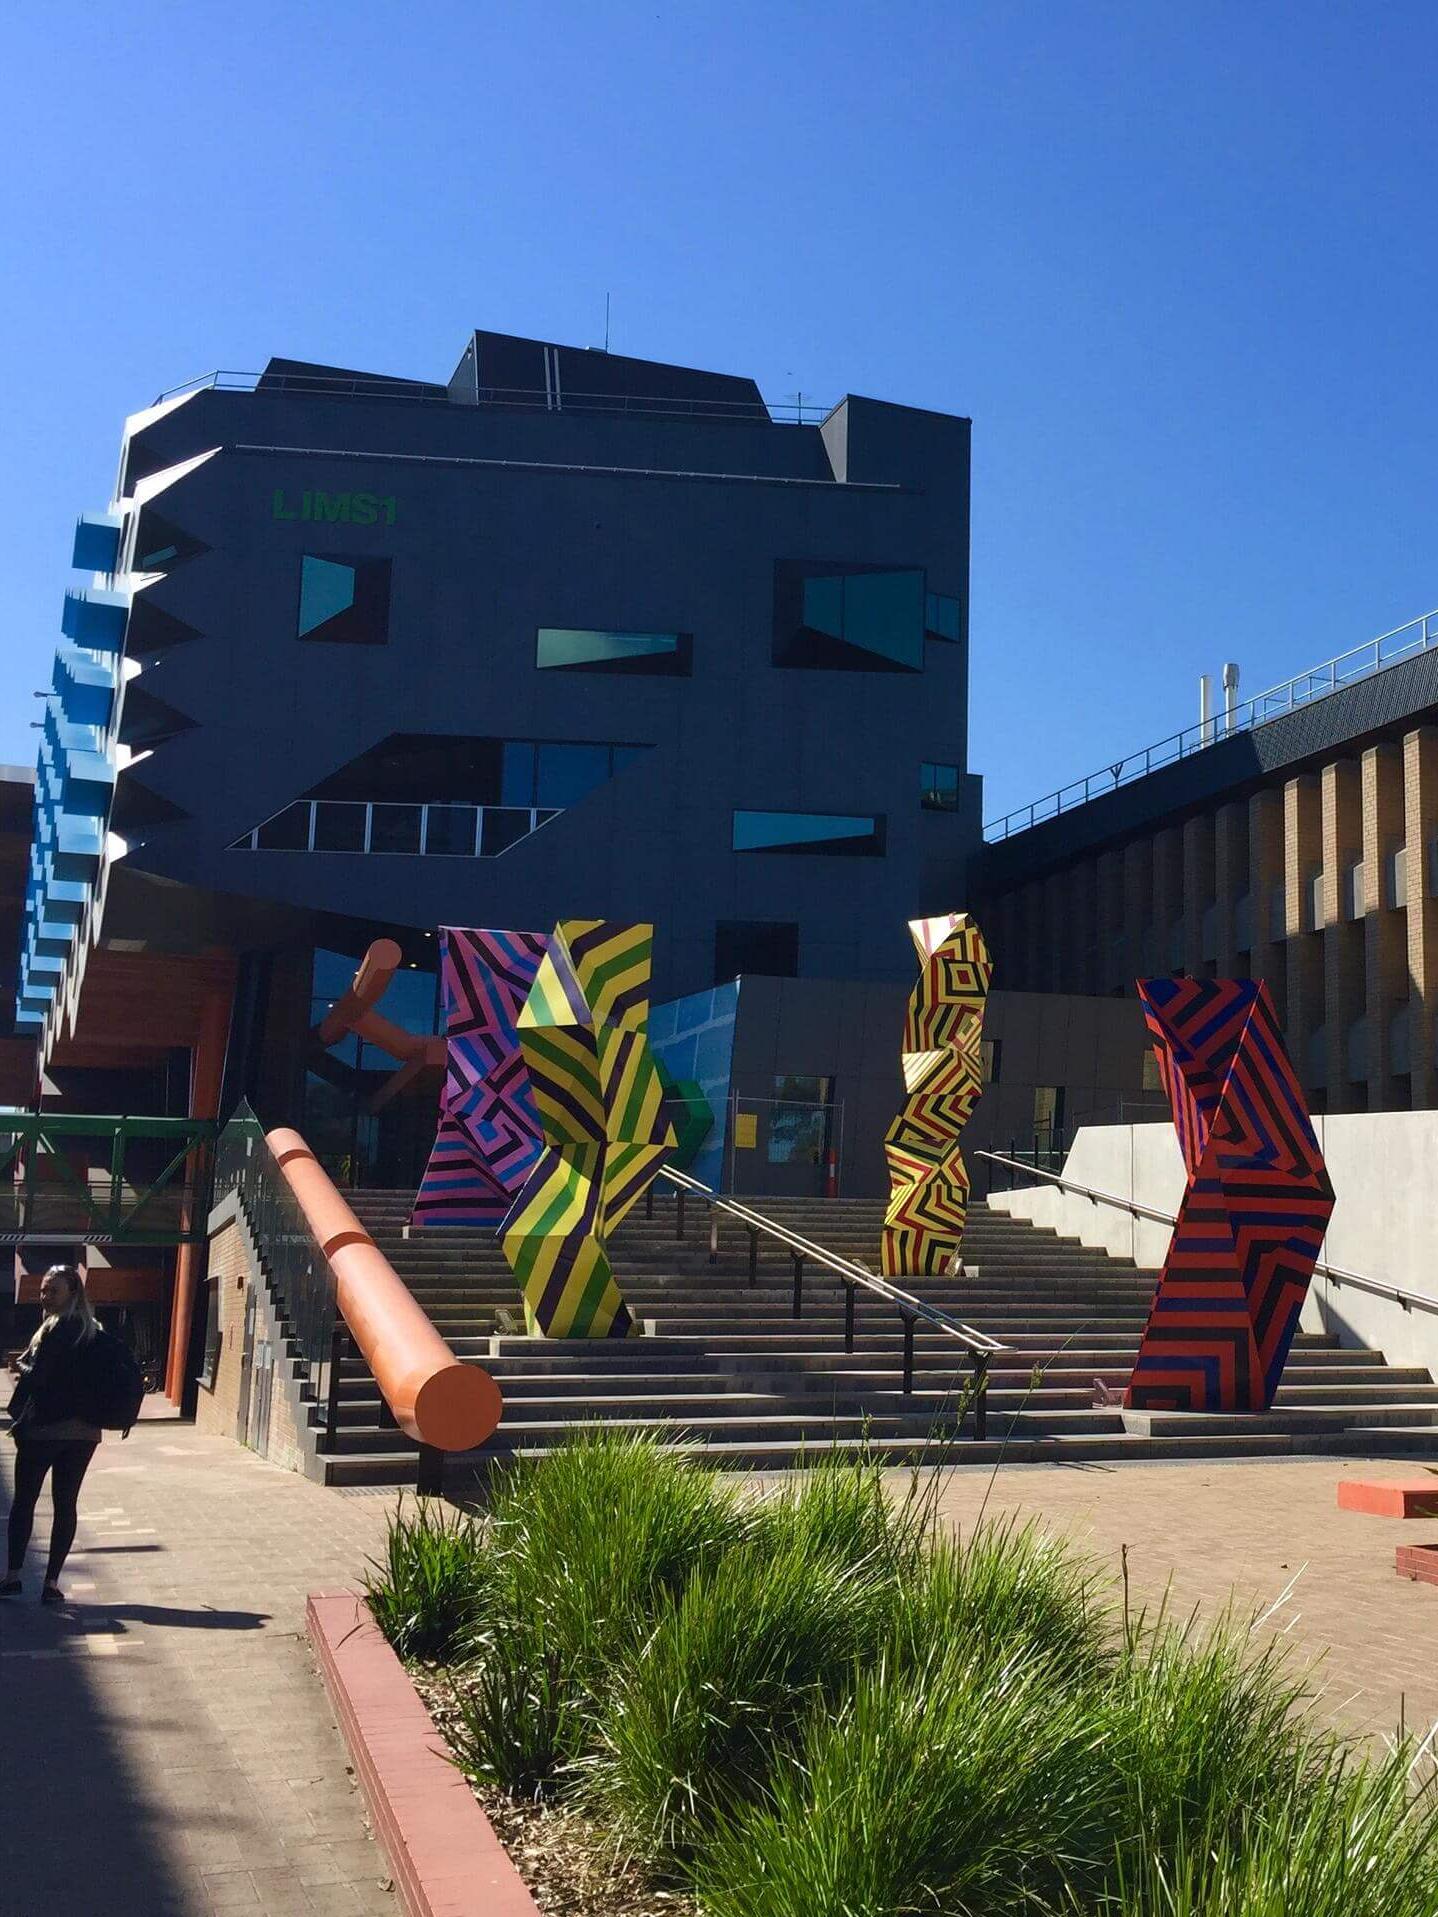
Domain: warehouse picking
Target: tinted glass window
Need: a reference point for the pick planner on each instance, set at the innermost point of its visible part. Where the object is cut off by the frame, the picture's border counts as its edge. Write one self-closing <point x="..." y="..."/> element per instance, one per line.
<point x="502" y="828"/>
<point x="288" y="831"/>
<point x="517" y="776"/>
<point x="450" y="830"/>
<point x="832" y="832"/>
<point x="394" y="828"/>
<point x="849" y="618"/>
<point x="339" y="828"/>
<point x="567" y="773"/>
<point x="884" y="614"/>
<point x="939" y="787"/>
<point x="343" y="601"/>
<point x="573" y="649"/>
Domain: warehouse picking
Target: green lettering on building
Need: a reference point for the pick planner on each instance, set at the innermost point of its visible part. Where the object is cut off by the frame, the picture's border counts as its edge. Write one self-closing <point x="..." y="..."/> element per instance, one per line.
<point x="335" y="509"/>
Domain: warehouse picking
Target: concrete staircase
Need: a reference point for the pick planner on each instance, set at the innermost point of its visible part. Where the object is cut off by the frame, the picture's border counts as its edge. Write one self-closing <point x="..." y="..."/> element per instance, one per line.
<point x="730" y="1369"/>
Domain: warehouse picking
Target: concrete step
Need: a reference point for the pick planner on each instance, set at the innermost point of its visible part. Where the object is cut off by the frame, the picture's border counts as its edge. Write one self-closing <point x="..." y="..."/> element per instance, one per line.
<point x="736" y="1377"/>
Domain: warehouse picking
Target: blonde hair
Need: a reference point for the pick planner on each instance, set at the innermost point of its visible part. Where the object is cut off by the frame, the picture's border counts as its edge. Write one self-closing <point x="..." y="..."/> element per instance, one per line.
<point x="78" y="1304"/>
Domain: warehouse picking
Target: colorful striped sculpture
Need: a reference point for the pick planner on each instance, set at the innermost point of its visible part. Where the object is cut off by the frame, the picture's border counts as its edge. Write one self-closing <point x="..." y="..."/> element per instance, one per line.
<point x="943" y="1076"/>
<point x="1255" y="1209"/>
<point x="488" y="1137"/>
<point x="600" y="1104"/>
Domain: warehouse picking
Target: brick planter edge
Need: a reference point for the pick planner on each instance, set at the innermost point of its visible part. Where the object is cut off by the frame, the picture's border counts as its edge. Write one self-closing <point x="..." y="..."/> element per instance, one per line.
<point x="446" y="1859"/>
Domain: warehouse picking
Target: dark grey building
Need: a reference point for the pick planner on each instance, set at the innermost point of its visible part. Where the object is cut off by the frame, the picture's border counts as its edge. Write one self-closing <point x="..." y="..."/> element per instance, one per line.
<point x="571" y="635"/>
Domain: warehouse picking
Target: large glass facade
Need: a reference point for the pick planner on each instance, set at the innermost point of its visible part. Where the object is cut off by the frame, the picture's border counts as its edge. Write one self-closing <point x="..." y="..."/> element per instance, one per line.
<point x="356" y="1144"/>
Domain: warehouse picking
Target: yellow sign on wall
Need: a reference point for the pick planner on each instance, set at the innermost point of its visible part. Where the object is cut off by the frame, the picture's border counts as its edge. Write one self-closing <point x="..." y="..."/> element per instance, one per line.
<point x="746" y="1131"/>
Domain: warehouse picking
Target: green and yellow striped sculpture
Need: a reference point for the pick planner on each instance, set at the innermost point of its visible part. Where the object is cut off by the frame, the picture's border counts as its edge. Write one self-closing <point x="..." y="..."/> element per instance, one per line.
<point x="583" y="1033"/>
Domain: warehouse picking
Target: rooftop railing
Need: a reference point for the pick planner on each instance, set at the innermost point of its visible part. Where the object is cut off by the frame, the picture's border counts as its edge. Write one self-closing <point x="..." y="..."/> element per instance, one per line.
<point x="1319" y="682"/>
<point x="796" y="412"/>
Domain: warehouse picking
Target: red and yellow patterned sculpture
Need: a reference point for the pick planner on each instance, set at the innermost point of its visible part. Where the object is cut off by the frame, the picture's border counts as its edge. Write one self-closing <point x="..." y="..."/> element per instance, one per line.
<point x="943" y="1076"/>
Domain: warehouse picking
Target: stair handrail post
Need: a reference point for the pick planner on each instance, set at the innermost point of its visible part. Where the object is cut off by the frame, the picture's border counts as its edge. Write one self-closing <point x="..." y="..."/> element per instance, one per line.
<point x="753" y="1256"/>
<point x="429" y="1480"/>
<point x="981" y="1395"/>
<point x="338" y="1336"/>
<point x="679" y="1213"/>
<point x="909" y="1322"/>
<point x="713" y="1236"/>
<point x="798" y="1263"/>
<point x="850" y="1294"/>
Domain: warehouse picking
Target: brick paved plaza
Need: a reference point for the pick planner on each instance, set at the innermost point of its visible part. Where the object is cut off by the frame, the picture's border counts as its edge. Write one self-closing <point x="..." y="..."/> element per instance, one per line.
<point x="168" y="1747"/>
<point x="170" y="1750"/>
<point x="1246" y="1529"/>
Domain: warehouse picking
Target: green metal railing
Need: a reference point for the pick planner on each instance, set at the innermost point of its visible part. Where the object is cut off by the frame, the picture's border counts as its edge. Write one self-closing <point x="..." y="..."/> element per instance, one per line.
<point x="74" y="1177"/>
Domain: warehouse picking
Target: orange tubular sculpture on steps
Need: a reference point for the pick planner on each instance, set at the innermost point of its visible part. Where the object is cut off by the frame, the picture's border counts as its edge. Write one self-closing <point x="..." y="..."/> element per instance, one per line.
<point x="436" y="1400"/>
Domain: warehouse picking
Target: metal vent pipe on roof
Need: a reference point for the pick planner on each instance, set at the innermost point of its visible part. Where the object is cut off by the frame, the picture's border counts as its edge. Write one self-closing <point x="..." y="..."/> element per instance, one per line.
<point x="1230" y="695"/>
<point x="1205" y="708"/>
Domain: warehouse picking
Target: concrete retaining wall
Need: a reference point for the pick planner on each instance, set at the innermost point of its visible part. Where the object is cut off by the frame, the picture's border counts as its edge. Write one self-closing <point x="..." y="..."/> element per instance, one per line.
<point x="1384" y="1167"/>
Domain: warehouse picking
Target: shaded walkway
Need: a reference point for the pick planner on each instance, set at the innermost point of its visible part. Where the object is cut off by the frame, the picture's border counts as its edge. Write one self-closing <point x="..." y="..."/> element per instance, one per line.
<point x="168" y="1748"/>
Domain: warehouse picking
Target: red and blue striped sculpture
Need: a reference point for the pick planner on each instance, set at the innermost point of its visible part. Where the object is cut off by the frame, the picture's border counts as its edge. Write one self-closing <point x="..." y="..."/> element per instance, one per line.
<point x="489" y="1136"/>
<point x="1255" y="1209"/>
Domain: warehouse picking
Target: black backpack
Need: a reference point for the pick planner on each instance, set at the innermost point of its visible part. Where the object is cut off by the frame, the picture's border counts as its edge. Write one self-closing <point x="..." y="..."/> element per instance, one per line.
<point x="112" y="1382"/>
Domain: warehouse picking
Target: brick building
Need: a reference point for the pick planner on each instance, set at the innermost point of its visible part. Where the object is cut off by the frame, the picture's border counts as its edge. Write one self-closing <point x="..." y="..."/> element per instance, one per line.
<point x="1293" y="839"/>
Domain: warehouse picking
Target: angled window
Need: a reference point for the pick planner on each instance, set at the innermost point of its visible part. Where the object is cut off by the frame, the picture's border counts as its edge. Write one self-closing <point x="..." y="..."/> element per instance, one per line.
<point x="939" y="787"/>
<point x="160" y="545"/>
<point x="849" y="618"/>
<point x="833" y="833"/>
<point x="941" y="617"/>
<point x="421" y="795"/>
<point x="576" y="649"/>
<point x="344" y="601"/>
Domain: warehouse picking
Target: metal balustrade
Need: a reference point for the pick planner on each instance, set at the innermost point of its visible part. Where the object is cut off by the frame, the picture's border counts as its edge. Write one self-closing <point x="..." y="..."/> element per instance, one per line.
<point x="912" y="1310"/>
<point x="1396" y="1294"/>
<point x="1319" y="682"/>
<point x="435" y="830"/>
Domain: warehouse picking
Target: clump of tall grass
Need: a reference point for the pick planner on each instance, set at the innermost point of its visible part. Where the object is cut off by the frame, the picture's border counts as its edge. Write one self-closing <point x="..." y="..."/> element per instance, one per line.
<point x="842" y="1511"/>
<point x="1206" y="1721"/>
<point x="816" y="1704"/>
<point x="952" y="1784"/>
<point x="703" y="1709"/>
<point x="1360" y="1840"/>
<point x="1004" y="1588"/>
<point x="428" y="1589"/>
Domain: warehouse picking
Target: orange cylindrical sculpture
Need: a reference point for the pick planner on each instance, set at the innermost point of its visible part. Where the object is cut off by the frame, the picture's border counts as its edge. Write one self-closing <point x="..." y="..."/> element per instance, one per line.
<point x="435" y="1399"/>
<point x="376" y="969"/>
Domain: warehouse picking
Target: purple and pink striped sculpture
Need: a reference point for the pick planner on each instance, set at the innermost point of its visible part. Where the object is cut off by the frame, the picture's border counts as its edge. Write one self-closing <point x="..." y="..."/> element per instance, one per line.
<point x="489" y="1135"/>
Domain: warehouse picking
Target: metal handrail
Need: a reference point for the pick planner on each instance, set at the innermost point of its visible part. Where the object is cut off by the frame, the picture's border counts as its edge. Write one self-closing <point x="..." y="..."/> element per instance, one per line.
<point x="1304" y="689"/>
<point x="802" y="412"/>
<point x="1336" y="1274"/>
<point x="912" y="1310"/>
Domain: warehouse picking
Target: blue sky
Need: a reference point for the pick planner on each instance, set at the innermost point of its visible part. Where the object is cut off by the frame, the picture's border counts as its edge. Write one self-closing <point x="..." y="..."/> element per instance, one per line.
<point x="1177" y="263"/>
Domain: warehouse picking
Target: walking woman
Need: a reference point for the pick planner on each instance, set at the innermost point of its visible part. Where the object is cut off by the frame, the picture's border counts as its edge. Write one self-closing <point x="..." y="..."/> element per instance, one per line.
<point x="48" y="1425"/>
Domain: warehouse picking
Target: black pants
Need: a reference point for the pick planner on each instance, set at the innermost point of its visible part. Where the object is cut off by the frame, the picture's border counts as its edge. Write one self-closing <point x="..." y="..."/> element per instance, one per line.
<point x="67" y="1460"/>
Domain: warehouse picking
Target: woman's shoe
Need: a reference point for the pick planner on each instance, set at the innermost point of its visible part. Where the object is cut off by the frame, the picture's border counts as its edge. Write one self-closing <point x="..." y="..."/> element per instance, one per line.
<point x="52" y="1594"/>
<point x="10" y="1587"/>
